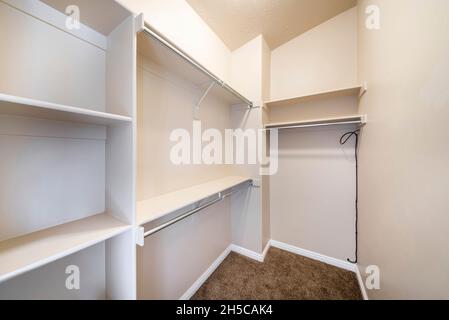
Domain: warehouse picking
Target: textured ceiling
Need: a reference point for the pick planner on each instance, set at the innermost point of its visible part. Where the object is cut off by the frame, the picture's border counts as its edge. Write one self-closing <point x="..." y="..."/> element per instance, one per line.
<point x="238" y="21"/>
<point x="101" y="15"/>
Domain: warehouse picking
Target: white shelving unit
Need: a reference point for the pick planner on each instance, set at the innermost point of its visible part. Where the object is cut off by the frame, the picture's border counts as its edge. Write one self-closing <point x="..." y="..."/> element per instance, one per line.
<point x="350" y="91"/>
<point x="68" y="150"/>
<point x="157" y="207"/>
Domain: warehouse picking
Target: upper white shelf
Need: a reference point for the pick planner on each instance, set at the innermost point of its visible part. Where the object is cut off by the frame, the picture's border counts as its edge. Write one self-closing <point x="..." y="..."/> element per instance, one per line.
<point x="31" y="251"/>
<point x="157" y="207"/>
<point x="352" y="119"/>
<point x="19" y="106"/>
<point x="351" y="91"/>
<point x="93" y="13"/>
<point x="158" y="49"/>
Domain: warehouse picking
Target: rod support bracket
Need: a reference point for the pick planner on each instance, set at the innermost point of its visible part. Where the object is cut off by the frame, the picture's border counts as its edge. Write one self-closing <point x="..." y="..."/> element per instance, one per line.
<point x="363" y="89"/>
<point x="196" y="109"/>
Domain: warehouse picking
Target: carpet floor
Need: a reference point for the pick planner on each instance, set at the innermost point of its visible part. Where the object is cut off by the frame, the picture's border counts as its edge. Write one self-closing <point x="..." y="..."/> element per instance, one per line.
<point x="282" y="276"/>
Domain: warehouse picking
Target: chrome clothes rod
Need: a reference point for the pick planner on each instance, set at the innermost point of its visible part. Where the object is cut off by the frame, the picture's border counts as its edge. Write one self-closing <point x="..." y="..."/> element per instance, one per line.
<point x="311" y="124"/>
<point x="148" y="30"/>
<point x="220" y="197"/>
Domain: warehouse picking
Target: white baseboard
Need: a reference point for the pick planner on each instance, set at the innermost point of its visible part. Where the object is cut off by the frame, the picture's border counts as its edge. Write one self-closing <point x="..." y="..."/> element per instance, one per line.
<point x="240" y="250"/>
<point x="247" y="253"/>
<point x="265" y="250"/>
<point x="200" y="281"/>
<point x="315" y="256"/>
<point x="329" y="260"/>
<point x="361" y="284"/>
<point x="261" y="257"/>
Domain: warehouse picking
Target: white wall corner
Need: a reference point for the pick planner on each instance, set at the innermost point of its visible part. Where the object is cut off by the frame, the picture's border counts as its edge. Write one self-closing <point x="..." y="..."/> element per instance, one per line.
<point x="249" y="253"/>
<point x="265" y="250"/>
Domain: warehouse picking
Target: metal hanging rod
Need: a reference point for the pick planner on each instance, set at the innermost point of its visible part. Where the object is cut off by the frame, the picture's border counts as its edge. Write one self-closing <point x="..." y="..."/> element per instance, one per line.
<point x="181" y="217"/>
<point x="220" y="197"/>
<point x="311" y="124"/>
<point x="148" y="30"/>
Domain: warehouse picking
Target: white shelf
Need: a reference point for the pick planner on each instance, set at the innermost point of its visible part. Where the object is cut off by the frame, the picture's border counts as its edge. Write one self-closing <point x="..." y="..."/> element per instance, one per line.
<point x="19" y="106"/>
<point x="157" y="207"/>
<point x="351" y="91"/>
<point x="31" y="251"/>
<point x="352" y="119"/>
<point x="93" y="13"/>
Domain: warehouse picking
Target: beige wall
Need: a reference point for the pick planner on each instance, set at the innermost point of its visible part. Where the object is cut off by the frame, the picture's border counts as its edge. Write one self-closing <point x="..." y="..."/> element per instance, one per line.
<point x="312" y="195"/>
<point x="326" y="108"/>
<point x="404" y="176"/>
<point x="246" y="63"/>
<point x="324" y="58"/>
<point x="160" y="96"/>
<point x="266" y="70"/>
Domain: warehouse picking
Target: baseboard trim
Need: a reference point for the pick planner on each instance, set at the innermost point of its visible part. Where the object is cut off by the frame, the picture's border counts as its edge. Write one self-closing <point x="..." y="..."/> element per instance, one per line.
<point x="361" y="284"/>
<point x="315" y="256"/>
<point x="261" y="257"/>
<point x="248" y="253"/>
<point x="240" y="250"/>
<point x="265" y="250"/>
<point x="200" y="281"/>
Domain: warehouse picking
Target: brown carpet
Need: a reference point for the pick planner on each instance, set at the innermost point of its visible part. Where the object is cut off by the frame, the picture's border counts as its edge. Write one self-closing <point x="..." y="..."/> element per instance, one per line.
<point x="282" y="276"/>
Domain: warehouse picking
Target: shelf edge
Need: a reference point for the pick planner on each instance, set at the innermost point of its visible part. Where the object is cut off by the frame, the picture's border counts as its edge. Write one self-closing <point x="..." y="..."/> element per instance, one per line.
<point x="314" y="96"/>
<point x="50" y="106"/>
<point x="51" y="258"/>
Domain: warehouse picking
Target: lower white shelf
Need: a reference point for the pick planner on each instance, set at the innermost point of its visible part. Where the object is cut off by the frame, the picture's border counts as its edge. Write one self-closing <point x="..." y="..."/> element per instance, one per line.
<point x="25" y="253"/>
<point x="157" y="207"/>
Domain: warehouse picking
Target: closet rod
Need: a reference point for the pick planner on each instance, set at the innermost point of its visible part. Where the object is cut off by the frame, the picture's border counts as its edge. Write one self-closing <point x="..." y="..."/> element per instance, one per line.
<point x="357" y="119"/>
<point x="148" y="30"/>
<point x="220" y="197"/>
<point x="312" y="125"/>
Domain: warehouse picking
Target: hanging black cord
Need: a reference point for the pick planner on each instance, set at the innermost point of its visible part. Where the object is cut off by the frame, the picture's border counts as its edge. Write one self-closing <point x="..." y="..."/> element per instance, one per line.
<point x="343" y="140"/>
